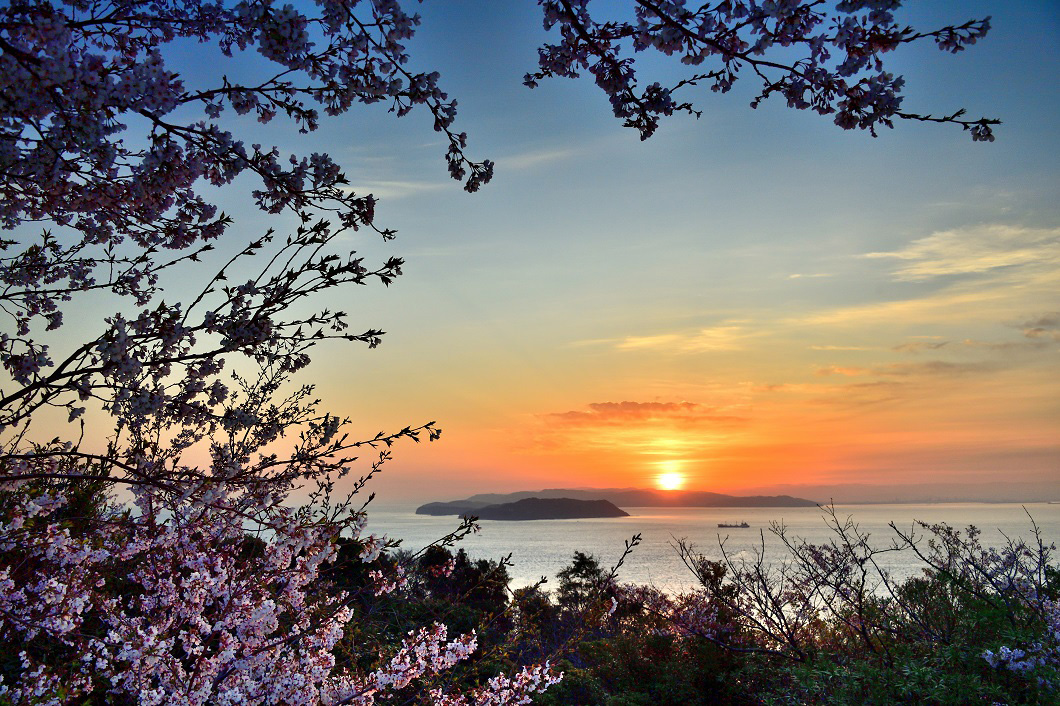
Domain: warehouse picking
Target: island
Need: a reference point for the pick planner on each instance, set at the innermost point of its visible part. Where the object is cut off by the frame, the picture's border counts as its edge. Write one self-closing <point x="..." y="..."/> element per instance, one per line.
<point x="456" y="507"/>
<point x="620" y="497"/>
<point x="527" y="509"/>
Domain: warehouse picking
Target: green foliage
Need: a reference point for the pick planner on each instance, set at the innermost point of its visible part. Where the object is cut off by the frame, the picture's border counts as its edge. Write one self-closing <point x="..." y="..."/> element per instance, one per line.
<point x="579" y="687"/>
<point x="579" y="581"/>
<point x="923" y="642"/>
<point x="637" y="667"/>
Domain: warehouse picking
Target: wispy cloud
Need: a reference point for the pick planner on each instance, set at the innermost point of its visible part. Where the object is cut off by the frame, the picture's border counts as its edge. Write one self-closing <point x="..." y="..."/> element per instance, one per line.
<point x="664" y="340"/>
<point x="840" y="348"/>
<point x="534" y="158"/>
<point x="628" y="412"/>
<point x="815" y="275"/>
<point x="396" y="189"/>
<point x="1043" y="327"/>
<point x="932" y="368"/>
<point x="672" y="429"/>
<point x="936" y="367"/>
<point x="975" y="250"/>
<point x="918" y="346"/>
<point x="1006" y="346"/>
<point x="992" y="296"/>
<point x="727" y="337"/>
<point x="847" y="370"/>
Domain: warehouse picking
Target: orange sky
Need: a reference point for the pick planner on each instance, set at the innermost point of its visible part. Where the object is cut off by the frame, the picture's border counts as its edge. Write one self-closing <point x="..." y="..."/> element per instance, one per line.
<point x="948" y="385"/>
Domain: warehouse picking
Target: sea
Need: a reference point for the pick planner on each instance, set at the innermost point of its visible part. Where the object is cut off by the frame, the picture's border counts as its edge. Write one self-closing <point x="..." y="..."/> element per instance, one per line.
<point x="541" y="548"/>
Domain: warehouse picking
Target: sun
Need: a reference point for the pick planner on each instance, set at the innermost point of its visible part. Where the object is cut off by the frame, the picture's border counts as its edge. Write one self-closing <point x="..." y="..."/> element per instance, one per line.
<point x="670" y="475"/>
<point x="670" y="480"/>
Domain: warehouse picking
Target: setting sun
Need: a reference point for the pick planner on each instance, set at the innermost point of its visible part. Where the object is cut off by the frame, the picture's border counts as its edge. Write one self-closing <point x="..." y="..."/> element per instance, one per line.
<point x="670" y="481"/>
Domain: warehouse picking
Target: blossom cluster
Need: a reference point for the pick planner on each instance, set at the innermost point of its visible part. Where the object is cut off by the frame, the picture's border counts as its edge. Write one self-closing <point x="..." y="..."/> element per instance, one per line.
<point x="1032" y="656"/>
<point x="179" y="604"/>
<point x="502" y="690"/>
<point x="839" y="72"/>
<point x="170" y="605"/>
<point x="107" y="62"/>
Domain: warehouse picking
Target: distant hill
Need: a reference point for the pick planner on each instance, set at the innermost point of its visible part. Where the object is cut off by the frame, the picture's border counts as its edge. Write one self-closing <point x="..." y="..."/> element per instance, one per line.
<point x="939" y="492"/>
<point x="647" y="497"/>
<point x="526" y="509"/>
<point x="622" y="497"/>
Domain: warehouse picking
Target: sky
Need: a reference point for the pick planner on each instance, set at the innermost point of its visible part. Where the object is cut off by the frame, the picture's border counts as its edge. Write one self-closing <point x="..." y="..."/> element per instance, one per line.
<point x="749" y="299"/>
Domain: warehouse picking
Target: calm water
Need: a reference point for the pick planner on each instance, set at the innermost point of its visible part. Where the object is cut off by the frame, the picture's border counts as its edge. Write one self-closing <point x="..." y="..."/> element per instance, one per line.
<point x="544" y="547"/>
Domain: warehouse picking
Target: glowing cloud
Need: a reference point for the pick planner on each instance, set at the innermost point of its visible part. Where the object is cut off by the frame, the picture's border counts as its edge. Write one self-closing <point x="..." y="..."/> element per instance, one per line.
<point x="975" y="250"/>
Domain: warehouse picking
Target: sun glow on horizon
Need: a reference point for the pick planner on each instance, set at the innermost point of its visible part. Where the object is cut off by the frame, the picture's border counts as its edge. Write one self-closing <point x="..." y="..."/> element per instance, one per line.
<point x="671" y="477"/>
<point x="670" y="481"/>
